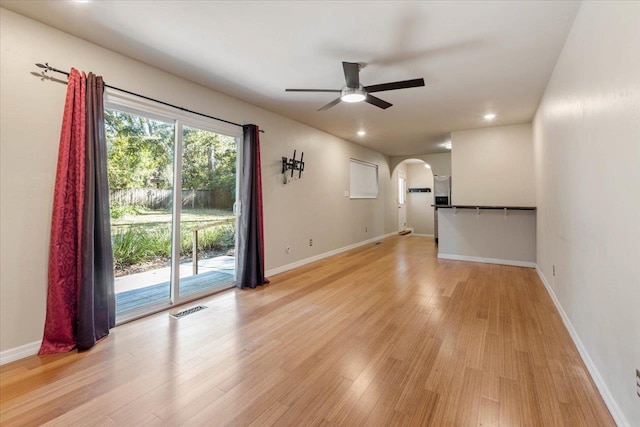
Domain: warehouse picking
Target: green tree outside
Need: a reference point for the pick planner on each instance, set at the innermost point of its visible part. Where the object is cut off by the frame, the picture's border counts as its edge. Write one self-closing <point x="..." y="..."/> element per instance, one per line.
<point x="141" y="151"/>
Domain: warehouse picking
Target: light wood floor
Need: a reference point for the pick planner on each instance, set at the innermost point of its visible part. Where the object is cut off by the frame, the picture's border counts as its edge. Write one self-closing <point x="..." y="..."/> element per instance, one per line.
<point x="383" y="335"/>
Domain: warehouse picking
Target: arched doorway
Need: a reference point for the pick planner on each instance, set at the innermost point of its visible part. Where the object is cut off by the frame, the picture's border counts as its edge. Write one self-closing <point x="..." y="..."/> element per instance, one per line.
<point x="413" y="196"/>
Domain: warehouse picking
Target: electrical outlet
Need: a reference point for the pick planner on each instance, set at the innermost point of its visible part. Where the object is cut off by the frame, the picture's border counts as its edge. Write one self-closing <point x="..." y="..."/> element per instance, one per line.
<point x="554" y="271"/>
<point x="288" y="249"/>
<point x="310" y="242"/>
<point x="638" y="382"/>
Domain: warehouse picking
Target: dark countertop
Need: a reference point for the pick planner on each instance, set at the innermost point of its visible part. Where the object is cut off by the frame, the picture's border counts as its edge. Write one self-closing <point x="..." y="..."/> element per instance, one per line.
<point x="513" y="208"/>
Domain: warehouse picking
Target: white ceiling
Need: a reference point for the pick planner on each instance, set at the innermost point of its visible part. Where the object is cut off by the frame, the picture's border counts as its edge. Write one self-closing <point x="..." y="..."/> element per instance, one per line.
<point x="476" y="57"/>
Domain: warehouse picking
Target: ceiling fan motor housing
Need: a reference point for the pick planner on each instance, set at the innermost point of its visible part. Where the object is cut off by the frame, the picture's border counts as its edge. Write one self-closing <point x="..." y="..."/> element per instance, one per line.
<point x="350" y="94"/>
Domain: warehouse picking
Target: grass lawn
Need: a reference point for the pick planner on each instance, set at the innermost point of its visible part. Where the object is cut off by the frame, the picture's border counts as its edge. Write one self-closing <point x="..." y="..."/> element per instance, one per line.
<point x="190" y="217"/>
<point x="142" y="238"/>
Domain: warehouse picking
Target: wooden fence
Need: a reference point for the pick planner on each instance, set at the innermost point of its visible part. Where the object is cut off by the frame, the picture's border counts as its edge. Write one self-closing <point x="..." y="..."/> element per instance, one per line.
<point x="162" y="199"/>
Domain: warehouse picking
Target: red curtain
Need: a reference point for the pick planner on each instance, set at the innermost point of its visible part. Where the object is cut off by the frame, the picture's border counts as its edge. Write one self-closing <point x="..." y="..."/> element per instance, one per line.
<point x="65" y="251"/>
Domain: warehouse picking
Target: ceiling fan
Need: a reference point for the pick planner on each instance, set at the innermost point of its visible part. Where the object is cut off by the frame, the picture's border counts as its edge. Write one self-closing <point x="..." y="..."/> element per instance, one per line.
<point x="353" y="91"/>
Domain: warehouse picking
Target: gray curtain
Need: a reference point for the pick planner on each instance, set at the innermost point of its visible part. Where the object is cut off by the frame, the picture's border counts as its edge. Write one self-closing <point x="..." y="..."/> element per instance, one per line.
<point x="96" y="297"/>
<point x="250" y="226"/>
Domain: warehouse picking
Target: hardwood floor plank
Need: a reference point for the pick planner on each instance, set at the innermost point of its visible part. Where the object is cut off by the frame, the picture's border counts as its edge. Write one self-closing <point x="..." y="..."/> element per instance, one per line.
<point x="529" y="396"/>
<point x="510" y="405"/>
<point x="270" y="416"/>
<point x="384" y="334"/>
<point x="491" y="367"/>
<point x="489" y="413"/>
<point x="470" y="398"/>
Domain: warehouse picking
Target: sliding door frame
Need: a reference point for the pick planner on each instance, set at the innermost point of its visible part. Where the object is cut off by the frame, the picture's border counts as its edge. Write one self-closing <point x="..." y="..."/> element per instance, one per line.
<point x="152" y="110"/>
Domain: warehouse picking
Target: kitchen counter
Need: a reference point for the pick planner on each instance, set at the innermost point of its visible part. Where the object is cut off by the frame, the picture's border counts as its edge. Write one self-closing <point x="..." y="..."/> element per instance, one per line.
<point x="488" y="234"/>
<point x="514" y="208"/>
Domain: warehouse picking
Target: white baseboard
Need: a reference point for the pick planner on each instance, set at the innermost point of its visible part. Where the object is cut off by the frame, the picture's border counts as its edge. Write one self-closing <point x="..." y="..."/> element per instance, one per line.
<point x="315" y="258"/>
<point x="511" y="262"/>
<point x="614" y="409"/>
<point x="422" y="235"/>
<point x="18" y="353"/>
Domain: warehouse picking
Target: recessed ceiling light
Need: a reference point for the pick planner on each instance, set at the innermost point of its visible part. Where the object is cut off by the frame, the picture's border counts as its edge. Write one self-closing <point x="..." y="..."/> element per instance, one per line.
<point x="361" y="133"/>
<point x="490" y="116"/>
<point x="427" y="165"/>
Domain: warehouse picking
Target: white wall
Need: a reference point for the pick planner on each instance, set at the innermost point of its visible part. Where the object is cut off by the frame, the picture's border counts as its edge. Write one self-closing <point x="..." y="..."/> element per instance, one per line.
<point x="31" y="111"/>
<point x="493" y="166"/>
<point x="419" y="209"/>
<point x="587" y="160"/>
<point x="488" y="236"/>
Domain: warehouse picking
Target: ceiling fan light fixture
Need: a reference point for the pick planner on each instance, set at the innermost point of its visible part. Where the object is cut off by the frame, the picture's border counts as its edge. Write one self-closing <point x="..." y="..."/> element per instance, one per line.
<point x="353" y="91"/>
<point x="350" y="94"/>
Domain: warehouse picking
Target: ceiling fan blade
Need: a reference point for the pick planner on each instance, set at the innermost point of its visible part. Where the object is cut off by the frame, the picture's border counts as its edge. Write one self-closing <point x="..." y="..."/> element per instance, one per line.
<point x="352" y="74"/>
<point x="405" y="84"/>
<point x="377" y="102"/>
<point x="329" y="105"/>
<point x="312" y="90"/>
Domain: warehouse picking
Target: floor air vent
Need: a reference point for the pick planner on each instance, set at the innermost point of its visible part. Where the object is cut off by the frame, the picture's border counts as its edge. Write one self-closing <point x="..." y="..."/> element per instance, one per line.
<point x="183" y="313"/>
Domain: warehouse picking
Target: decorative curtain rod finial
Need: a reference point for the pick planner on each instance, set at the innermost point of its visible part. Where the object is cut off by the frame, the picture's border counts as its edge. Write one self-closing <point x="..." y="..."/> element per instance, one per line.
<point x="45" y="66"/>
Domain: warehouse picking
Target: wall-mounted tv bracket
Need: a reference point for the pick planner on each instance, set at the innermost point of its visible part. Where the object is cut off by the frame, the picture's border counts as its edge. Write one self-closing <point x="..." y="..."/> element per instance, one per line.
<point x="293" y="164"/>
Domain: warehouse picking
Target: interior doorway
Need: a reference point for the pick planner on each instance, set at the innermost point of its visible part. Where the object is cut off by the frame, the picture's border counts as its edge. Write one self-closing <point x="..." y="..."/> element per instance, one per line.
<point x="414" y="200"/>
<point x="402" y="201"/>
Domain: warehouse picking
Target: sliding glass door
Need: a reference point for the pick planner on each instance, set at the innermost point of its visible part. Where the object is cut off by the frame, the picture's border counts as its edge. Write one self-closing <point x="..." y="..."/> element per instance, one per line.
<point x="207" y="220"/>
<point x="173" y="191"/>
<point x="140" y="170"/>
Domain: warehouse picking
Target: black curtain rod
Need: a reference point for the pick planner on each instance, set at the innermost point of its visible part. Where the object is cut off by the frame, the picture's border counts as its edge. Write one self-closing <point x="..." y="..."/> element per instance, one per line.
<point x="47" y="67"/>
